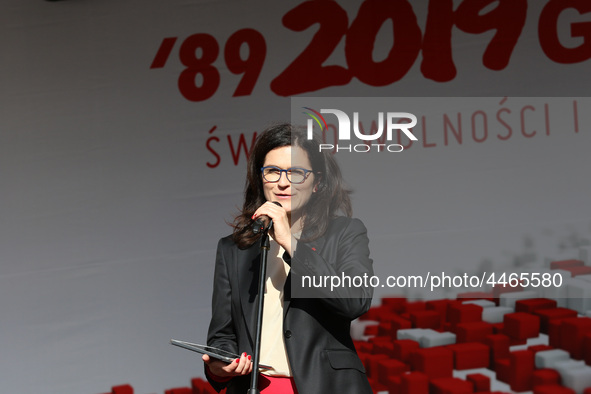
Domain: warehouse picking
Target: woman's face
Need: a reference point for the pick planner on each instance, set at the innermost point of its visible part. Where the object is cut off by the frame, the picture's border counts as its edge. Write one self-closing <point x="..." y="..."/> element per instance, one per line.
<point x="293" y="197"/>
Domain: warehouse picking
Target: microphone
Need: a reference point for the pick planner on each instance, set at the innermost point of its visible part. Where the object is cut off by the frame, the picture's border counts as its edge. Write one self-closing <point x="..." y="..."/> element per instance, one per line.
<point x="263" y="222"/>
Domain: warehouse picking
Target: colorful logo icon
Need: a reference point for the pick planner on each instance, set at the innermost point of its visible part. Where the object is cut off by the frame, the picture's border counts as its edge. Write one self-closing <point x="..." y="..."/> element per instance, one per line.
<point x="316" y="115"/>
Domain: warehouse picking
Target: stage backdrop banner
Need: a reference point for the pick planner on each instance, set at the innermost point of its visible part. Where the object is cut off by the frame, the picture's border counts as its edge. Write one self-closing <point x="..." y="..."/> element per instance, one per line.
<point x="125" y="127"/>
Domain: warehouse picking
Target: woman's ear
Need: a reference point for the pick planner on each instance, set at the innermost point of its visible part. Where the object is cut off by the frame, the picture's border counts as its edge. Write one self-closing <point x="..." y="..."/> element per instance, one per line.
<point x="317" y="185"/>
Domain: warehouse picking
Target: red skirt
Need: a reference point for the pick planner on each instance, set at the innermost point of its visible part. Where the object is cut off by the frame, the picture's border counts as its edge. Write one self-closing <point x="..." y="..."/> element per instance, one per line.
<point x="276" y="385"/>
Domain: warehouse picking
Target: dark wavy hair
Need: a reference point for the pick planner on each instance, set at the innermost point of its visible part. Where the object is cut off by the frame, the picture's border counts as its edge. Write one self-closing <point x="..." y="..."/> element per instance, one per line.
<point x="330" y="198"/>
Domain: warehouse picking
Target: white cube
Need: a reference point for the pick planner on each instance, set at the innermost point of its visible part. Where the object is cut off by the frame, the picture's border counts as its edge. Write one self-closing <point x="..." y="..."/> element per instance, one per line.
<point x="483" y="303"/>
<point x="496" y="314"/>
<point x="579" y="295"/>
<point x="577" y="379"/>
<point x="567" y="365"/>
<point x="411" y="333"/>
<point x="508" y="299"/>
<point x="549" y="358"/>
<point x="585" y="254"/>
<point x="432" y="339"/>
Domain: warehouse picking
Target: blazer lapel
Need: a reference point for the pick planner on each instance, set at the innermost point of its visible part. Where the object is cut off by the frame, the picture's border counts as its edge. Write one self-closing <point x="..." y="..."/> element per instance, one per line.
<point x="248" y="268"/>
<point x="286" y="295"/>
<point x="316" y="246"/>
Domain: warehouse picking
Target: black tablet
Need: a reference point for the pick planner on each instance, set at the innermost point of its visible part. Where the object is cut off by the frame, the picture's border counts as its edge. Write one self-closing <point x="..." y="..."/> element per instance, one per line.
<point x="214" y="352"/>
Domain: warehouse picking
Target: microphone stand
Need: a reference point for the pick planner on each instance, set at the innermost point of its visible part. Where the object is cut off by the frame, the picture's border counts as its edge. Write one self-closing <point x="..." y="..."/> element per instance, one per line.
<point x="265" y="245"/>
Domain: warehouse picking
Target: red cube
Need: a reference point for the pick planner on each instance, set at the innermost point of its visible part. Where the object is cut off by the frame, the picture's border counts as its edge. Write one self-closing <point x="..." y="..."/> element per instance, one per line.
<point x="522" y="366"/>
<point x="374" y="313"/>
<point x="499" y="347"/>
<point x="545" y="376"/>
<point x="386" y="348"/>
<point x="384" y="329"/>
<point x="363" y="346"/>
<point x="576" y="271"/>
<point x="435" y="362"/>
<point x="450" y="386"/>
<point x="123" y="389"/>
<point x="473" y="332"/>
<point x="572" y="333"/>
<point x="464" y="313"/>
<point x="379" y="339"/>
<point x="199" y="385"/>
<point x="539" y="348"/>
<point x="426" y="319"/>
<point x="415" y="306"/>
<point x="547" y="315"/>
<point x="398" y="323"/>
<point x="554" y="333"/>
<point x="179" y="390"/>
<point x="403" y="349"/>
<point x="587" y="349"/>
<point x="390" y="367"/>
<point x="503" y="369"/>
<point x="370" y="361"/>
<point x="480" y="382"/>
<point x="414" y="383"/>
<point x="393" y="385"/>
<point x="517" y="342"/>
<point x="376" y="386"/>
<point x="441" y="306"/>
<point x="554" y="389"/>
<point x="394" y="304"/>
<point x="470" y="355"/>
<point x="562" y="264"/>
<point x="371" y="329"/>
<point x="521" y="325"/>
<point x="532" y="305"/>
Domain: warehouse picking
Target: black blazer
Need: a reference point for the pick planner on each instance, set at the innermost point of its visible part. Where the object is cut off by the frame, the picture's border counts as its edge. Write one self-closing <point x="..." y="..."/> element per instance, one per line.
<point x="316" y="330"/>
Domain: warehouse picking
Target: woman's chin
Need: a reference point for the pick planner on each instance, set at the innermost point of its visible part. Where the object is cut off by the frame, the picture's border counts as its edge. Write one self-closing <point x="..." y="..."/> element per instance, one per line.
<point x="285" y="203"/>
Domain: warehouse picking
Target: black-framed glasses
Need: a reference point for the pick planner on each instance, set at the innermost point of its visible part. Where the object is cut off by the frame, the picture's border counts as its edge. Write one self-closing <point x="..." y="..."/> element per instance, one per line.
<point x="294" y="175"/>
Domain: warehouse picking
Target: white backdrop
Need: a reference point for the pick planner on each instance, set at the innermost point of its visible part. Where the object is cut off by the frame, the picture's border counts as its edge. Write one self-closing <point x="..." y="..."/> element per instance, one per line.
<point x="115" y="186"/>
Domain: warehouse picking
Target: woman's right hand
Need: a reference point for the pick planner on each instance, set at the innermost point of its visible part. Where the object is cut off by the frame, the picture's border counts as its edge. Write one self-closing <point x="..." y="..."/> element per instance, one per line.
<point x="281" y="230"/>
<point x="240" y="366"/>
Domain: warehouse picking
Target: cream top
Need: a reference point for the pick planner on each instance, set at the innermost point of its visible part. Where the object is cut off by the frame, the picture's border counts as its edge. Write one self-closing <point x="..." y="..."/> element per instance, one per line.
<point x="273" y="350"/>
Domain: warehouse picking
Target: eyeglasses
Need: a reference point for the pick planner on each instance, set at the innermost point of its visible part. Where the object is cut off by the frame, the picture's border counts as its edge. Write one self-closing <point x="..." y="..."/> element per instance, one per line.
<point x="294" y="175"/>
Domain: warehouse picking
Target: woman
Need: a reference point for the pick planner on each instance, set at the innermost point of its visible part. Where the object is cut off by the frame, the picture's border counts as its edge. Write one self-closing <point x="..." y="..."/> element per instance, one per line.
<point x="305" y="338"/>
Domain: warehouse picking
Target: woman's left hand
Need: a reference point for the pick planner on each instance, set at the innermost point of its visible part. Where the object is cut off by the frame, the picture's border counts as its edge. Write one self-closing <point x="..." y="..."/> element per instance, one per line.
<point x="281" y="230"/>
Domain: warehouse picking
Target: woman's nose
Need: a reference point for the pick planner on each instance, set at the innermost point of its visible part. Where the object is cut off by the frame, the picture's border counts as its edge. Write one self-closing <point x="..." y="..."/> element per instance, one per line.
<point x="283" y="181"/>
